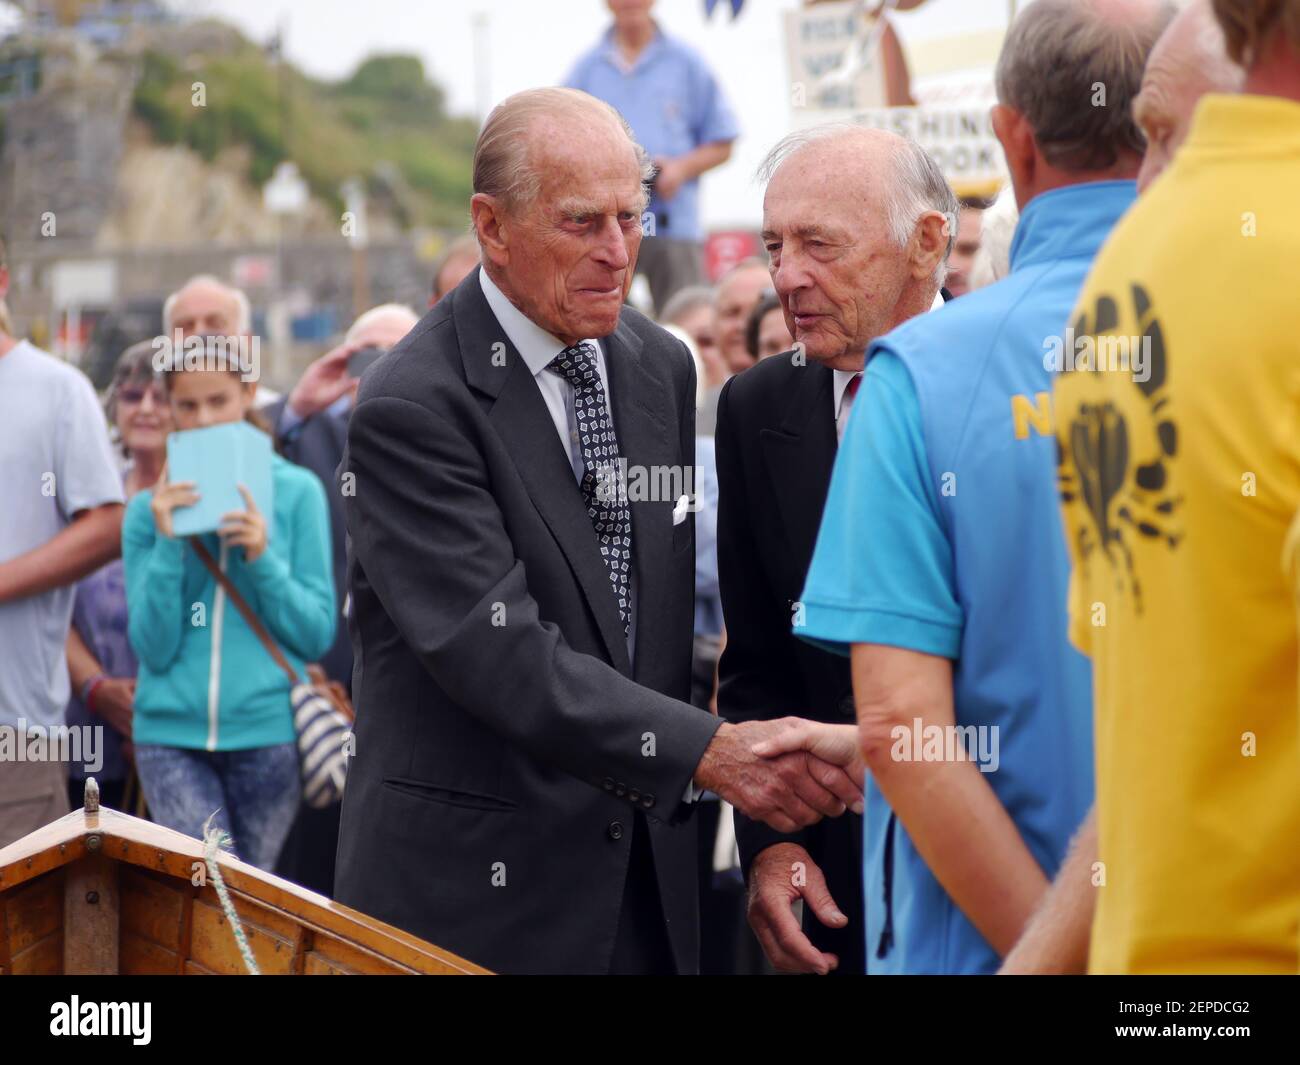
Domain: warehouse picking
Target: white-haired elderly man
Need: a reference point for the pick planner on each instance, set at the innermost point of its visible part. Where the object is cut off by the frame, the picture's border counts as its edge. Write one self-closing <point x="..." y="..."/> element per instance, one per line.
<point x="941" y="563"/>
<point x="311" y="426"/>
<point x="205" y="306"/>
<point x="857" y="224"/>
<point x="526" y="758"/>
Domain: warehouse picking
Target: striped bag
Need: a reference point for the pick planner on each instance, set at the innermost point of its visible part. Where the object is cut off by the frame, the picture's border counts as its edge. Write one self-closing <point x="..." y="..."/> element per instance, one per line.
<point x="322" y="717"/>
<point x="322" y="711"/>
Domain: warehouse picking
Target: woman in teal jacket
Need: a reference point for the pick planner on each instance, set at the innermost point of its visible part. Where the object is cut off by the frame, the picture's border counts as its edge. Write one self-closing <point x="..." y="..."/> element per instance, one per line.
<point x="213" y="725"/>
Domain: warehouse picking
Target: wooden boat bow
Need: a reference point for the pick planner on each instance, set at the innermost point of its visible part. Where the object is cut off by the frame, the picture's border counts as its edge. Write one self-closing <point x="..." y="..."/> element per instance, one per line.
<point x="100" y="892"/>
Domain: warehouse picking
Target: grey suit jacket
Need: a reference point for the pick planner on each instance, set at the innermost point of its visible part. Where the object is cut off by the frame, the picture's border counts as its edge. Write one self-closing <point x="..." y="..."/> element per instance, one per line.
<point x="503" y="741"/>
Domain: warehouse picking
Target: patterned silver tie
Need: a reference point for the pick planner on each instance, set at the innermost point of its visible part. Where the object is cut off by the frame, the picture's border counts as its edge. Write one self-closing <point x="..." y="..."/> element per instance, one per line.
<point x="602" y="488"/>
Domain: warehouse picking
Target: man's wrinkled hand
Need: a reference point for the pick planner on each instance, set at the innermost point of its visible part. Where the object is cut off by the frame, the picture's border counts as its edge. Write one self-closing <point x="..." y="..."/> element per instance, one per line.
<point x="788" y="791"/>
<point x="780" y="874"/>
<point x="324" y="381"/>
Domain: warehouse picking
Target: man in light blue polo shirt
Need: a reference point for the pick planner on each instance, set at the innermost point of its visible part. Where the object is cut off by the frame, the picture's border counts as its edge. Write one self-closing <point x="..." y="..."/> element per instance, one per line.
<point x="941" y="559"/>
<point x="678" y="112"/>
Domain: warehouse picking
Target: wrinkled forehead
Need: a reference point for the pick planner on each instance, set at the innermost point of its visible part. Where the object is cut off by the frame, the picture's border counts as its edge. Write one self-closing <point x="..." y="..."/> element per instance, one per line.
<point x="583" y="158"/>
<point x="829" y="185"/>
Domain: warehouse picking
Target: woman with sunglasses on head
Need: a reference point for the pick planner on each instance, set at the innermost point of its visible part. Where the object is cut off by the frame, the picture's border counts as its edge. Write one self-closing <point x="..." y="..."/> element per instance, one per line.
<point x="101" y="663"/>
<point x="214" y="728"/>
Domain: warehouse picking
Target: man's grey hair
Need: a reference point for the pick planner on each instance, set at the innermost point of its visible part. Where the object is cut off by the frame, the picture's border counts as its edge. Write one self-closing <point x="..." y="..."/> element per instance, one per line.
<point x="918" y="185"/>
<point x="501" y="157"/>
<point x="243" y="309"/>
<point x="1073" y="71"/>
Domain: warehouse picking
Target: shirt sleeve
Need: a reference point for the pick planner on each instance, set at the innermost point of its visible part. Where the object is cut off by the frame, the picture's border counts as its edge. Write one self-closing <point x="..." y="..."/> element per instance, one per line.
<point x="714" y="119"/>
<point x="85" y="473"/>
<point x="882" y="571"/>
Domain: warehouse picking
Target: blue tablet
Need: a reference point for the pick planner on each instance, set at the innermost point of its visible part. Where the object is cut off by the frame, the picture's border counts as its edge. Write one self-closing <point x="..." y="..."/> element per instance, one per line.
<point x="219" y="459"/>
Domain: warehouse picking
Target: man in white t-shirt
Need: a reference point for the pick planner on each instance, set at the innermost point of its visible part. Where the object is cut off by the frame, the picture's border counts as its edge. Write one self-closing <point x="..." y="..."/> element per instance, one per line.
<point x="60" y="519"/>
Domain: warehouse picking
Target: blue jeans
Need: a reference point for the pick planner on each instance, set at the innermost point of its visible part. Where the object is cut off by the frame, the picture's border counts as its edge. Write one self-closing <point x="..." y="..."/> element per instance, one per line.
<point x="254" y="794"/>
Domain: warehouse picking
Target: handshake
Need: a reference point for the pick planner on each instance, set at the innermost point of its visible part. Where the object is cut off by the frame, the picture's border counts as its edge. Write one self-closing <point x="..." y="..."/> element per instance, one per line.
<point x="788" y="772"/>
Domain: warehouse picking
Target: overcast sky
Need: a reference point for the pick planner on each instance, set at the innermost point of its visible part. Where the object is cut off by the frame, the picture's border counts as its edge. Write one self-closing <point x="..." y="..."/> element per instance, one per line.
<point x="533" y="42"/>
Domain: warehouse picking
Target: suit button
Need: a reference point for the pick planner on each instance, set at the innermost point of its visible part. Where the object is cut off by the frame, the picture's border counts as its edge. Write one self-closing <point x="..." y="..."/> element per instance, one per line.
<point x="615" y="830"/>
<point x="609" y="784"/>
<point x="620" y="791"/>
<point x="634" y="795"/>
<point x="647" y="801"/>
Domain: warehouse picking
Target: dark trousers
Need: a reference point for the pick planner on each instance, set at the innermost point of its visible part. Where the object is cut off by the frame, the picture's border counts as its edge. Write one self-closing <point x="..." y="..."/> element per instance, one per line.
<point x="641" y="947"/>
<point x="307" y="857"/>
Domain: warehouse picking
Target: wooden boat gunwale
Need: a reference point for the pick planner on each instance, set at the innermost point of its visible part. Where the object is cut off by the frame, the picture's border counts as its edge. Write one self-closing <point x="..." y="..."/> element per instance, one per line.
<point x="119" y="838"/>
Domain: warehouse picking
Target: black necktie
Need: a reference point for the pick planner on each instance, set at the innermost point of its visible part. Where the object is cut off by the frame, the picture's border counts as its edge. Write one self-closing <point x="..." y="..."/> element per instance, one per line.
<point x="602" y="487"/>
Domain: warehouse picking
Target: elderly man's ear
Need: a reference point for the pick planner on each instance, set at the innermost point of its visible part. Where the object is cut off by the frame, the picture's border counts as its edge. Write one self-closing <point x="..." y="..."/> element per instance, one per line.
<point x="929" y="243"/>
<point x="491" y="225"/>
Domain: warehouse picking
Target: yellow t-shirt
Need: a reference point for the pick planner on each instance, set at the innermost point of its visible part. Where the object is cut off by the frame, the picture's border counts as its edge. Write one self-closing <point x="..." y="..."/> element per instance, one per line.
<point x="1180" y="479"/>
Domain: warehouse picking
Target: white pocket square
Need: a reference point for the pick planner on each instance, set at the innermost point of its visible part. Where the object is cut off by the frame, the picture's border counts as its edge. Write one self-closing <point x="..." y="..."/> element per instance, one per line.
<point x="681" y="509"/>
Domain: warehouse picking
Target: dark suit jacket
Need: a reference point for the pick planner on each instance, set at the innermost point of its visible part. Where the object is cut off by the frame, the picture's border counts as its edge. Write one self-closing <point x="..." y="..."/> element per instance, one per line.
<point x="503" y="741"/>
<point x="318" y="444"/>
<point x="776" y="446"/>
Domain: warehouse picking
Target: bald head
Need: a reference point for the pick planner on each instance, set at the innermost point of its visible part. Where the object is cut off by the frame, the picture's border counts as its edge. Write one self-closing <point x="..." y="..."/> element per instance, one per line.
<point x="382" y="326"/>
<point x="1189" y="60"/>
<point x="858" y="224"/>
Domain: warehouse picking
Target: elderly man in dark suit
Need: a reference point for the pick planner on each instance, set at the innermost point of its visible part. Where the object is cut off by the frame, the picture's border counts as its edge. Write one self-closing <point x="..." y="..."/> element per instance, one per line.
<point x="853" y="222"/>
<point x="522" y="602"/>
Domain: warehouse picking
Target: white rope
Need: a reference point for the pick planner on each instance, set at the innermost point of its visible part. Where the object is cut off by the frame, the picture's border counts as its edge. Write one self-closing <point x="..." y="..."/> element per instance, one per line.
<point x="215" y="838"/>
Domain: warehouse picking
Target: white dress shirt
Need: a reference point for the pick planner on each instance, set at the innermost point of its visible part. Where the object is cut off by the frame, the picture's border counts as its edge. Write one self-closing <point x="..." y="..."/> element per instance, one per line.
<point x="538" y="348"/>
<point x="842" y="399"/>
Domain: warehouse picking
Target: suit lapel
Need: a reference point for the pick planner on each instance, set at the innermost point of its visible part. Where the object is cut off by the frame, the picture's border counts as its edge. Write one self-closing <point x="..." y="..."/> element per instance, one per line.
<point x="799" y="457"/>
<point x="520" y="417"/>
<point x="642" y="416"/>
